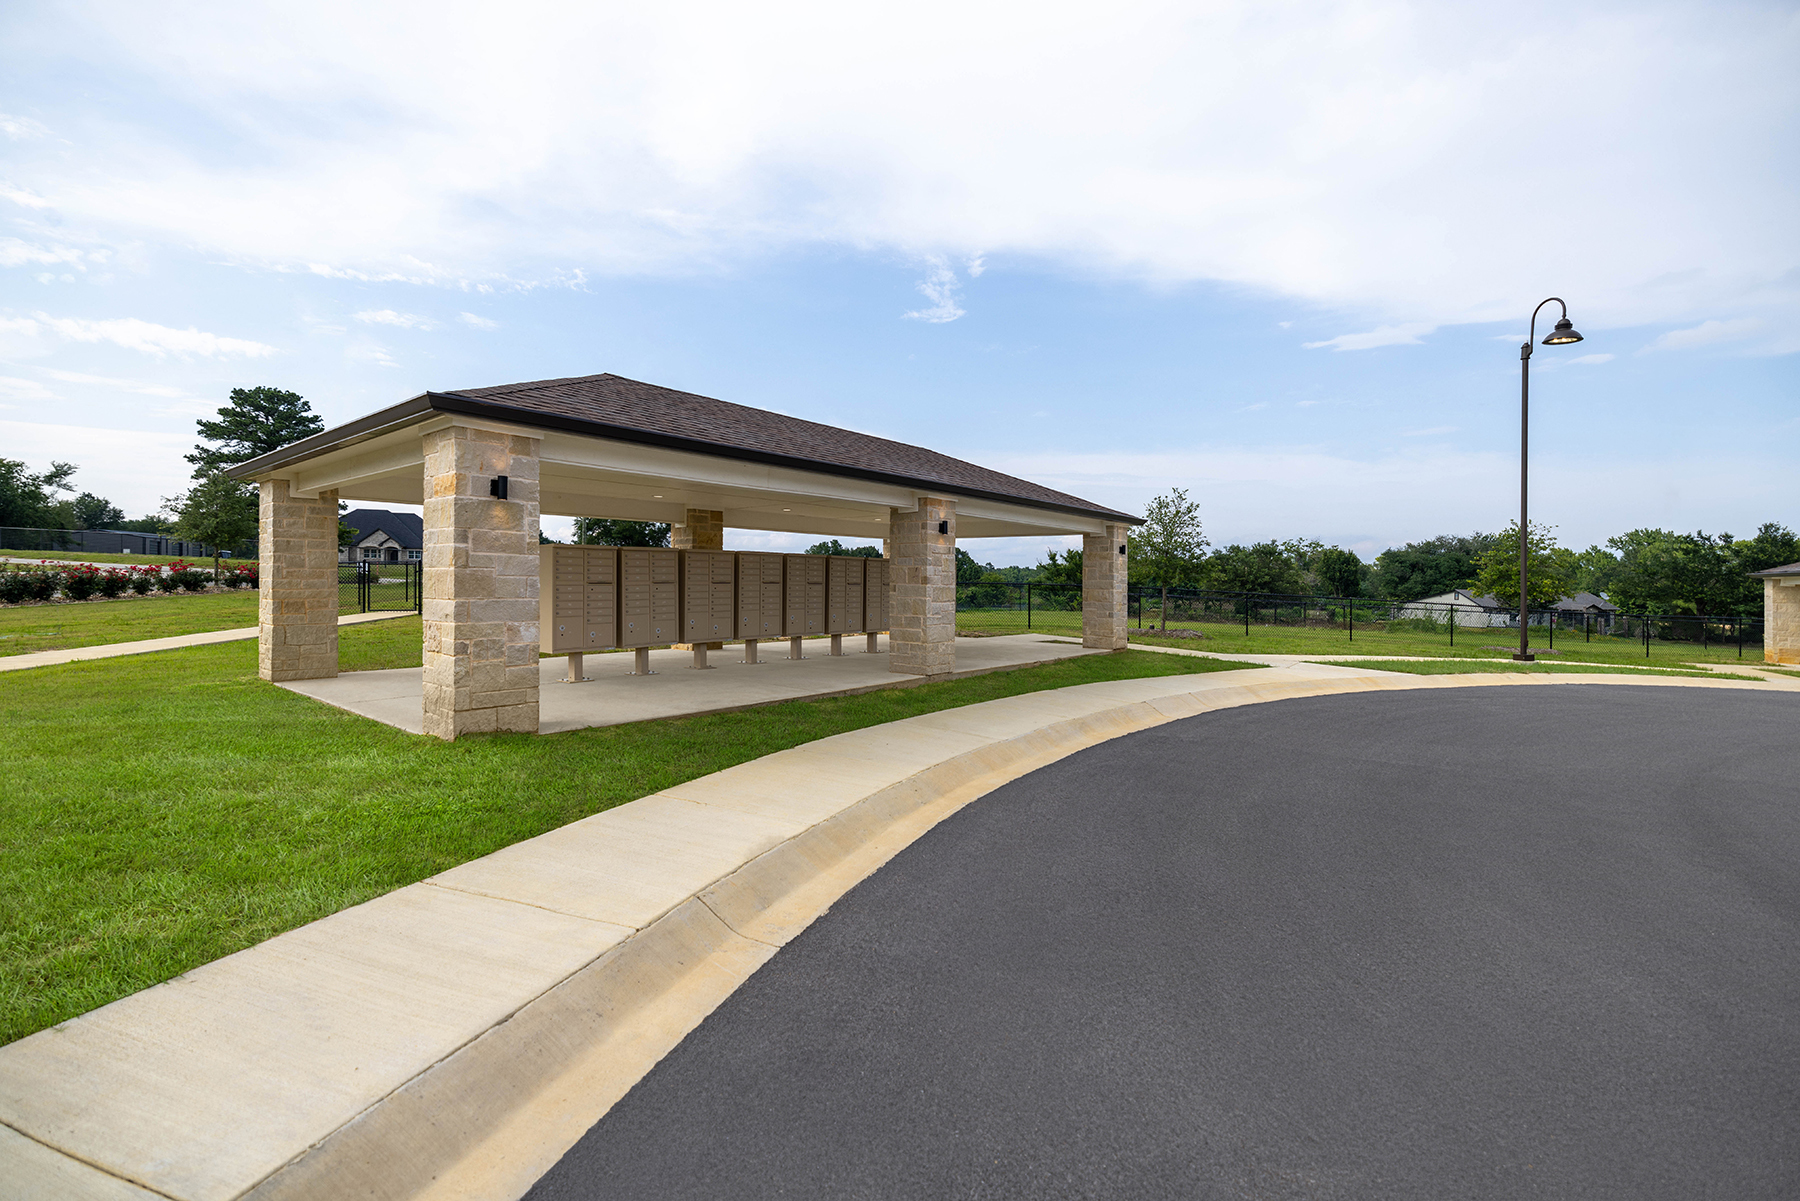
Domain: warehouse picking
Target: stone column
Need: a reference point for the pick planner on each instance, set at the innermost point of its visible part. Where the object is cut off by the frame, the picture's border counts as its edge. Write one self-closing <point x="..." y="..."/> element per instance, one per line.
<point x="922" y="589"/>
<point x="1781" y="620"/>
<point x="297" y="601"/>
<point x="704" y="529"/>
<point x="1104" y="606"/>
<point x="481" y="582"/>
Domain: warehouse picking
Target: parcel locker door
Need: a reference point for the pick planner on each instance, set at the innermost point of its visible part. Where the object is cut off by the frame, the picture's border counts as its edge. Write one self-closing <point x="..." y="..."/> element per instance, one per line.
<point x="600" y="626"/>
<point x="815" y="594"/>
<point x="665" y="596"/>
<point x="853" y="595"/>
<point x="836" y="595"/>
<point x="749" y="596"/>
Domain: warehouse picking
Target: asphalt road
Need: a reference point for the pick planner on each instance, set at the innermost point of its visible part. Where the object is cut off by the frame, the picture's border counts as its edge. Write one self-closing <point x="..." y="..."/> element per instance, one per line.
<point x="1477" y="943"/>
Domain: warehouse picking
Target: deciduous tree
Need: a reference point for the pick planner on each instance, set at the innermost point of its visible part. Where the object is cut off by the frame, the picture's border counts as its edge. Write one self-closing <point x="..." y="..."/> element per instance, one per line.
<point x="1497" y="570"/>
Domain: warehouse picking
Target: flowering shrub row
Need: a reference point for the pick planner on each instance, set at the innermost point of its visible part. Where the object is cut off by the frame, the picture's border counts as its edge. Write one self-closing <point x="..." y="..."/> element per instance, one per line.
<point x="82" y="581"/>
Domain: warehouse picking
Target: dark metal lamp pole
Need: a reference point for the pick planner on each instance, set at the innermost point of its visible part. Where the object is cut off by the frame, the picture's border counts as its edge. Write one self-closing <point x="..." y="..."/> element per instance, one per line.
<point x="1562" y="335"/>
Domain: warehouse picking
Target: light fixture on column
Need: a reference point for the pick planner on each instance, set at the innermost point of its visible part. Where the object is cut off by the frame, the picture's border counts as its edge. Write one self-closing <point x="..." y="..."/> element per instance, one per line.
<point x="943" y="527"/>
<point x="497" y="487"/>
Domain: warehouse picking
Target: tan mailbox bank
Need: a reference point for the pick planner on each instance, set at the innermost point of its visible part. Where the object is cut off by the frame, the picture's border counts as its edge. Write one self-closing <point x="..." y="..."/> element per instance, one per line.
<point x="844" y="576"/>
<point x="708" y="584"/>
<point x="805" y="608"/>
<point x="875" y="598"/>
<point x="649" y="600"/>
<point x="759" y="599"/>
<point x="577" y="601"/>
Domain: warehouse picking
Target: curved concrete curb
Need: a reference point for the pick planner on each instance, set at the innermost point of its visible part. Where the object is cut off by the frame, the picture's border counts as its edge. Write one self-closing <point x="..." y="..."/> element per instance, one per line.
<point x="454" y="1038"/>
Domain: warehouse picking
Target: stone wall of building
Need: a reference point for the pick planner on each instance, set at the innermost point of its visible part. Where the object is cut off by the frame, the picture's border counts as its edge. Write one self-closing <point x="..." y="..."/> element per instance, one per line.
<point x="704" y="529"/>
<point x="922" y="588"/>
<point x="297" y="597"/>
<point x="481" y="583"/>
<point x="1781" y="621"/>
<point x="1104" y="606"/>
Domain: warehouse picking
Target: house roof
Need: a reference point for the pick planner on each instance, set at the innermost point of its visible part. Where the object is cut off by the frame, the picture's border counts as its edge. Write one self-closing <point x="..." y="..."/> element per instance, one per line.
<point x="627" y="410"/>
<point x="408" y="529"/>
<point x="1787" y="569"/>
<point x="1587" y="600"/>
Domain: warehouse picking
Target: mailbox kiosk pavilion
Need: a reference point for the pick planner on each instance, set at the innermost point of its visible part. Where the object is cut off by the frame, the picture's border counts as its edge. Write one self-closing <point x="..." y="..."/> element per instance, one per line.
<point x="487" y="462"/>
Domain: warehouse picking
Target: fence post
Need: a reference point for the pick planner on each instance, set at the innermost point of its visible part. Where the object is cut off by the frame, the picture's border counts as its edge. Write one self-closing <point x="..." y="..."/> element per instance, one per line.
<point x="1028" y="606"/>
<point x="1646" y="620"/>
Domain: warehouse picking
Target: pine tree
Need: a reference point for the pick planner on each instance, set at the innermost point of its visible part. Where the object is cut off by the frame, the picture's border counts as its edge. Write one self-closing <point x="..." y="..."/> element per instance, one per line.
<point x="257" y="421"/>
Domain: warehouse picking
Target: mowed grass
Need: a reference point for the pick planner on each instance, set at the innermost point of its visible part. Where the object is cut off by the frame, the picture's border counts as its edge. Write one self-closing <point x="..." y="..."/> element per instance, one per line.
<point x="60" y="626"/>
<point x="1496" y="643"/>
<point x="81" y="556"/>
<point x="159" y="811"/>
<point x="1452" y="667"/>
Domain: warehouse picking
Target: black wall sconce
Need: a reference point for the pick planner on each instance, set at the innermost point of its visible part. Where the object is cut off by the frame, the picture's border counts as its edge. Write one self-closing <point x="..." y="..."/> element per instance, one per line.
<point x="497" y="487"/>
<point x="943" y="527"/>
<point x="1121" y="548"/>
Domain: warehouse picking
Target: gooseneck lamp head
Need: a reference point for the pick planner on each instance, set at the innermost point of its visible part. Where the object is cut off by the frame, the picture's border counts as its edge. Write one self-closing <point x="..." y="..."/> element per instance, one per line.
<point x="1562" y="335"/>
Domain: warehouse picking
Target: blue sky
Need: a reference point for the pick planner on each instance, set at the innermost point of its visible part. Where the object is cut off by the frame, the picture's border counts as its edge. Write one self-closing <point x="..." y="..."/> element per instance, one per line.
<point x="1281" y="256"/>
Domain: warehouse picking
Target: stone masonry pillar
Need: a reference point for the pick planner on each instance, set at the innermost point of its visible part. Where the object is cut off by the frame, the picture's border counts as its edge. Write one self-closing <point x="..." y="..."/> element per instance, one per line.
<point x="1781" y="619"/>
<point x="922" y="589"/>
<point x="703" y="529"/>
<point x="481" y="582"/>
<point x="1103" y="599"/>
<point x="297" y="600"/>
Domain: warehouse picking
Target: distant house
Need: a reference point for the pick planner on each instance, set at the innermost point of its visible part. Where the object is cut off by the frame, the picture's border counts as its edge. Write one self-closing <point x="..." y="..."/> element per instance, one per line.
<point x="1479" y="611"/>
<point x="383" y="536"/>
<point x="1467" y="608"/>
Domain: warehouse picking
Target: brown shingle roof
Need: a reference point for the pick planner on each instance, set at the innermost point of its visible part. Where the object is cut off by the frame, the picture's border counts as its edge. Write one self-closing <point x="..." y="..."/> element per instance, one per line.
<point x="1787" y="569"/>
<point x="643" y="412"/>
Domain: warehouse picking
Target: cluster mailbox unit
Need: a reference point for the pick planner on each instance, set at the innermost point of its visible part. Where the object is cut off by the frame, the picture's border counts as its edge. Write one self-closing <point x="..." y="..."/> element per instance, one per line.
<point x="708" y="584"/>
<point x="595" y="598"/>
<point x="805" y="599"/>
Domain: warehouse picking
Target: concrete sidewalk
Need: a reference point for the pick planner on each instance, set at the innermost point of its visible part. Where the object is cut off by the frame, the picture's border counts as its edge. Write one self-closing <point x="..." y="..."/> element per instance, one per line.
<point x="612" y="696"/>
<point x="110" y="650"/>
<point x="455" y="1037"/>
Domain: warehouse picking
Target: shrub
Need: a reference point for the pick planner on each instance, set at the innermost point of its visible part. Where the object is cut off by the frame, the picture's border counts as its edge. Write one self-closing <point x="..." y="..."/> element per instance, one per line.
<point x="143" y="579"/>
<point x="247" y="574"/>
<point x="80" y="581"/>
<point x="14" y="587"/>
<point x="43" y="582"/>
<point x="114" y="581"/>
<point x="182" y="574"/>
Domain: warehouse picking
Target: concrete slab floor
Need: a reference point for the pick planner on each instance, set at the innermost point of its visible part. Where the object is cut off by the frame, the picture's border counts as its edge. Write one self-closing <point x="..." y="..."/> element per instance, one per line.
<point x="612" y="695"/>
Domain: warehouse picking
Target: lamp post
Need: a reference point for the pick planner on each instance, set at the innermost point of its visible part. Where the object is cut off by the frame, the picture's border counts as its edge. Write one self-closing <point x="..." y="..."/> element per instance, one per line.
<point x="1562" y="335"/>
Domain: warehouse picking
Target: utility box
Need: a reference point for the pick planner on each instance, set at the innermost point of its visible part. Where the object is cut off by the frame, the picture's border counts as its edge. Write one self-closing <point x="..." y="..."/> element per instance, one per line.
<point x="649" y="596"/>
<point x="708" y="595"/>
<point x="844" y="577"/>
<point x="805" y="595"/>
<point x="875" y="595"/>
<point x="759" y="595"/>
<point x="578" y="606"/>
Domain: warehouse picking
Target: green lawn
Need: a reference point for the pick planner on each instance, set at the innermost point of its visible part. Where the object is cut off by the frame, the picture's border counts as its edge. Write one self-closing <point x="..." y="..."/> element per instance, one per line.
<point x="81" y="556"/>
<point x="161" y="810"/>
<point x="55" y="627"/>
<point x="1455" y="667"/>
<point x="1470" y="644"/>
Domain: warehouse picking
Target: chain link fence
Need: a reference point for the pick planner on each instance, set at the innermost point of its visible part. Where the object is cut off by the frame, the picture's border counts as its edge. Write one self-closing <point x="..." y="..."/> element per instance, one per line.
<point x="1002" y="608"/>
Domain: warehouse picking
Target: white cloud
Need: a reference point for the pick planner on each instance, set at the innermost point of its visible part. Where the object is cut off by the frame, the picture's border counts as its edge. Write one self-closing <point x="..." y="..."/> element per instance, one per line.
<point x="390" y="317"/>
<point x="1708" y="333"/>
<point x="135" y="334"/>
<point x="1385" y="335"/>
<point x="123" y="385"/>
<point x="479" y="322"/>
<point x="20" y="127"/>
<point x="976" y="266"/>
<point x="1381" y="158"/>
<point x="22" y="196"/>
<point x="24" y="389"/>
<point x="1593" y="360"/>
<point x="940" y="287"/>
<point x="17" y="253"/>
